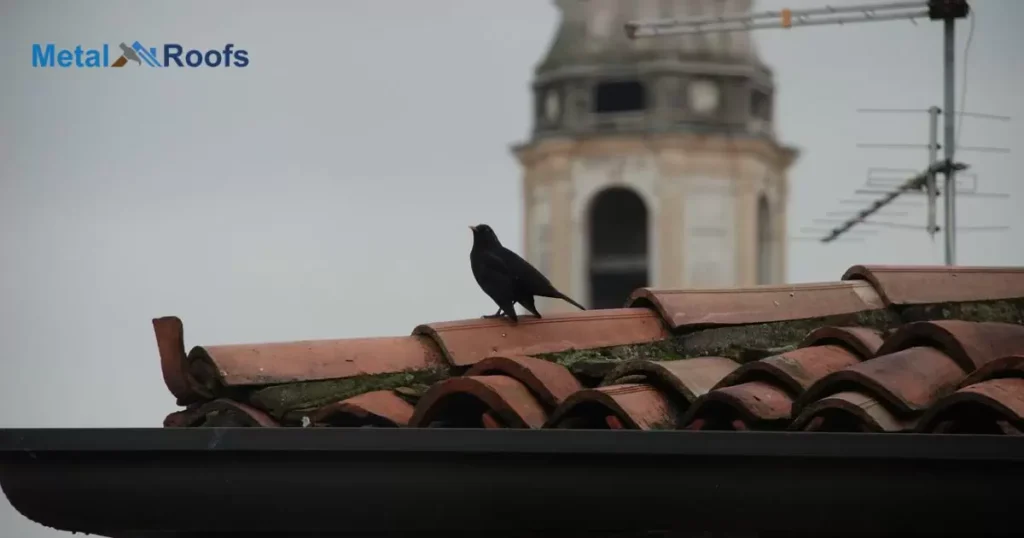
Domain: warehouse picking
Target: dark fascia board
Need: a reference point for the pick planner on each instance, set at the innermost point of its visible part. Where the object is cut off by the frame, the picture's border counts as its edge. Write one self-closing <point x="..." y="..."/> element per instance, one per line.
<point x="358" y="481"/>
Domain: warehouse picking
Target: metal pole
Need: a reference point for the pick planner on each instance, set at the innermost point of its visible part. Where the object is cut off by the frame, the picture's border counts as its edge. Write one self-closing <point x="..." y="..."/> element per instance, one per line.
<point x="785" y="18"/>
<point x="872" y="9"/>
<point x="950" y="190"/>
<point x="665" y="28"/>
<point x="933" y="157"/>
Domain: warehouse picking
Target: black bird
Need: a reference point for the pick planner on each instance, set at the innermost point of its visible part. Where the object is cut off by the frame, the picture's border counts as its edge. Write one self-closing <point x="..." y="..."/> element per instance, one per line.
<point x="506" y="277"/>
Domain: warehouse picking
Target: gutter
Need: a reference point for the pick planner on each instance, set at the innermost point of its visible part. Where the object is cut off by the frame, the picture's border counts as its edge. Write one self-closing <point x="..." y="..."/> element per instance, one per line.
<point x="382" y="481"/>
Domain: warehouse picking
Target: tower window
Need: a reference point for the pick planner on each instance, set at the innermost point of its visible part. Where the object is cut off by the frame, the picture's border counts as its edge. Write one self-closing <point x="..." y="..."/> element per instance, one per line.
<point x="618" y="247"/>
<point x="760" y="107"/>
<point x="620" y="96"/>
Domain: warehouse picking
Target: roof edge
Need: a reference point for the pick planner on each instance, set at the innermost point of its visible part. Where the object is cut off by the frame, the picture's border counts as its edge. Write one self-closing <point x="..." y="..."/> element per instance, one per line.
<point x="118" y="473"/>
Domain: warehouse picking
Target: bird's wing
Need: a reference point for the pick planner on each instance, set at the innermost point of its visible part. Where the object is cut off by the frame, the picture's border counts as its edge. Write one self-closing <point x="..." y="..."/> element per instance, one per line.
<point x="492" y="261"/>
<point x="491" y="266"/>
<point x="524" y="272"/>
<point x="494" y="277"/>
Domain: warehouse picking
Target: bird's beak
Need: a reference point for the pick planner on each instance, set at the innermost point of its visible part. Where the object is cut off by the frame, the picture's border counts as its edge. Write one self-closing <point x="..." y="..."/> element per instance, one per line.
<point x="472" y="228"/>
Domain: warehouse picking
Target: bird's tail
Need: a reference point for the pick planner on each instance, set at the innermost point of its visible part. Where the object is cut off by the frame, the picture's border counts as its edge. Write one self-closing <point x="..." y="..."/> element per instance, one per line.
<point x="569" y="300"/>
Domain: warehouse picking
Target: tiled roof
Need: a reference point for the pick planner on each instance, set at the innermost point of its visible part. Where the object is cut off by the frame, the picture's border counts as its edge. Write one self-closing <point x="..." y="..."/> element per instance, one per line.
<point x="885" y="349"/>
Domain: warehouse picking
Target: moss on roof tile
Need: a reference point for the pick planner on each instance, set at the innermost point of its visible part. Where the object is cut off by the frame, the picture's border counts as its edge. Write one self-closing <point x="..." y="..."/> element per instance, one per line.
<point x="742" y="343"/>
<point x="279" y="400"/>
<point x="1003" y="311"/>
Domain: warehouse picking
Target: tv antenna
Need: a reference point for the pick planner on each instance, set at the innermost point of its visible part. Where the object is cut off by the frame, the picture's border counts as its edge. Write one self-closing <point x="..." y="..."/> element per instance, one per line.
<point x="890" y="183"/>
<point x="947" y="11"/>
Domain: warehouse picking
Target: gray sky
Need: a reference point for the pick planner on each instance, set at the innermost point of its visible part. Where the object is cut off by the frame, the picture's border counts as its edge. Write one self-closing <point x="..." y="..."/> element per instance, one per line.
<point x="327" y="194"/>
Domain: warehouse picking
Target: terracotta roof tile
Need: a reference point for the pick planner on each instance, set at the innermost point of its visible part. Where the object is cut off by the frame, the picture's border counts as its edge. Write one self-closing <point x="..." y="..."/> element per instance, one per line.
<point x="876" y="352"/>
<point x="463" y="401"/>
<point x="220" y="412"/>
<point x="170" y="342"/>
<point x="971" y="345"/>
<point x="910" y="380"/>
<point x="752" y="405"/>
<point x="688" y="378"/>
<point x="683" y="309"/>
<point x="797" y="370"/>
<point x="980" y="407"/>
<point x="467" y="342"/>
<point x="907" y="285"/>
<point x="631" y="405"/>
<point x="549" y="382"/>
<point x="862" y="341"/>
<point x="207" y="371"/>
<point x="1008" y="366"/>
<point x="851" y="411"/>
<point x="377" y="408"/>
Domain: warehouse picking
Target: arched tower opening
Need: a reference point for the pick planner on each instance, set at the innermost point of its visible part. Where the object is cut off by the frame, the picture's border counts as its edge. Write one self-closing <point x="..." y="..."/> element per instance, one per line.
<point x="765" y="241"/>
<point x="618" y="257"/>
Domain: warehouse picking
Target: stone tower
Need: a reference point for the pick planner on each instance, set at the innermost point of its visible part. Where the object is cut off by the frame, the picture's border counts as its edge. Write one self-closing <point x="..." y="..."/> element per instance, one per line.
<point x="652" y="162"/>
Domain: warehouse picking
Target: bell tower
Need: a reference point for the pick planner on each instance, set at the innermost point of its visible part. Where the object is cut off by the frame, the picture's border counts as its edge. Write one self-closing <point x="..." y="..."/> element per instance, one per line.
<point x="652" y="162"/>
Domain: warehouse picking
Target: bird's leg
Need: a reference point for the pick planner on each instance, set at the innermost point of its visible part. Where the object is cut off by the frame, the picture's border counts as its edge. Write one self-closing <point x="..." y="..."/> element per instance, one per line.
<point x="498" y="314"/>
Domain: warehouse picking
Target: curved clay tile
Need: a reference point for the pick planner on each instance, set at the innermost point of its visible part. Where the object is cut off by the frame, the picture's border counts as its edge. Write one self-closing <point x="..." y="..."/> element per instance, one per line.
<point x="756" y="405"/>
<point x="468" y="342"/>
<point x="462" y="402"/>
<point x="688" y="378"/>
<point x="763" y="304"/>
<point x="170" y="341"/>
<point x="909" y="284"/>
<point x="1008" y="366"/>
<point x="794" y="371"/>
<point x="551" y="383"/>
<point x="207" y="370"/>
<point x="970" y="344"/>
<point x="377" y="408"/>
<point x="909" y="381"/>
<point x="860" y="340"/>
<point x="850" y="412"/>
<point x="632" y="406"/>
<point x="979" y="408"/>
<point x="221" y="412"/>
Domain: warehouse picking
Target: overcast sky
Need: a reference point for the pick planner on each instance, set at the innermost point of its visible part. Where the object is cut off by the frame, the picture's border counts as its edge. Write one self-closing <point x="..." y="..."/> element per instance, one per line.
<point x="324" y="191"/>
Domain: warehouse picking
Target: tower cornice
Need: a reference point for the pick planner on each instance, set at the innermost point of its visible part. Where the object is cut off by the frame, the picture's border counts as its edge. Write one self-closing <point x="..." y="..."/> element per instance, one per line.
<point x="660" y="66"/>
<point x="781" y="157"/>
